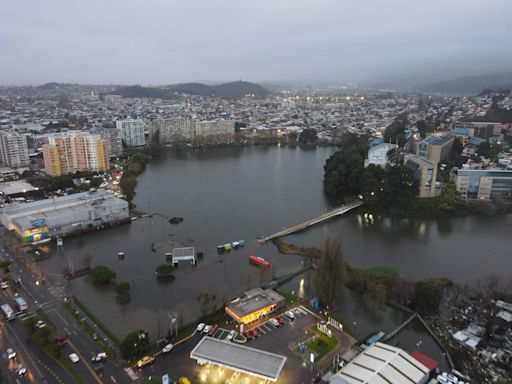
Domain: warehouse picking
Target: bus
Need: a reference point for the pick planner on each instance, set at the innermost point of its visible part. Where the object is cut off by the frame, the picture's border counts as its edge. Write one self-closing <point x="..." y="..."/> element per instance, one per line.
<point x="8" y="312"/>
<point x="21" y="304"/>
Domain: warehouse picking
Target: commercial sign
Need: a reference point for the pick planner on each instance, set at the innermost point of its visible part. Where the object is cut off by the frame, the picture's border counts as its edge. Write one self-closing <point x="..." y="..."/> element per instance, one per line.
<point x="38" y="222"/>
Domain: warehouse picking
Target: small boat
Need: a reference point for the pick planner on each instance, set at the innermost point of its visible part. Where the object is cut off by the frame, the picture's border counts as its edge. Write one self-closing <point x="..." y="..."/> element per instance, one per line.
<point x="120" y="255"/>
<point x="235" y="244"/>
<point x="227" y="247"/>
<point x="241" y="243"/>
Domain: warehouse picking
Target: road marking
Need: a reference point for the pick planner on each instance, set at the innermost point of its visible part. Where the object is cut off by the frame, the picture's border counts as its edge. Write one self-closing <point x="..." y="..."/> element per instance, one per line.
<point x="261" y="330"/>
<point x="312" y="313"/>
<point x="131" y="373"/>
<point x="62" y="318"/>
<point x="86" y="364"/>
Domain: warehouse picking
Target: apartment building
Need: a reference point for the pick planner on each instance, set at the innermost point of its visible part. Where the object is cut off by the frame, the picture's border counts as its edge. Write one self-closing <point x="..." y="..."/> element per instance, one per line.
<point x="75" y="151"/>
<point x="187" y="129"/>
<point x="172" y="130"/>
<point x="111" y="135"/>
<point x="131" y="132"/>
<point x="14" y="149"/>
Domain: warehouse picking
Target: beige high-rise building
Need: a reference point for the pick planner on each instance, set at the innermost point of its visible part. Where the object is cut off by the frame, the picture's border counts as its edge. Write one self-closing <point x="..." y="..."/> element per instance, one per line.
<point x="75" y="151"/>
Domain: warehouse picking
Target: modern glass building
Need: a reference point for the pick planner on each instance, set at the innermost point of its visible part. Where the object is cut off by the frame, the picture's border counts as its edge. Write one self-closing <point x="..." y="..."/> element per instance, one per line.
<point x="484" y="184"/>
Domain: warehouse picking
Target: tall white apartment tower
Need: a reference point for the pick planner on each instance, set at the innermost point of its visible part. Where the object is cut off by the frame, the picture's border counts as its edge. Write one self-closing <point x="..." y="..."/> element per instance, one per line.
<point x="131" y="132"/>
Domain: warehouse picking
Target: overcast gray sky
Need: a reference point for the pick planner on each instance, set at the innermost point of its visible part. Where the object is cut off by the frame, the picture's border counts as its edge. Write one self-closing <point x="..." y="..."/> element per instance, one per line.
<point x="170" y="41"/>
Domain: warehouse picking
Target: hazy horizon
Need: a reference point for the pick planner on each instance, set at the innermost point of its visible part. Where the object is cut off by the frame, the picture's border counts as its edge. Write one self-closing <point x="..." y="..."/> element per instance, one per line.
<point x="168" y="42"/>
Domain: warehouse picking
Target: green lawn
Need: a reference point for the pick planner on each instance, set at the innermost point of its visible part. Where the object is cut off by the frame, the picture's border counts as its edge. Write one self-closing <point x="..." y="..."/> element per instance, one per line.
<point x="322" y="344"/>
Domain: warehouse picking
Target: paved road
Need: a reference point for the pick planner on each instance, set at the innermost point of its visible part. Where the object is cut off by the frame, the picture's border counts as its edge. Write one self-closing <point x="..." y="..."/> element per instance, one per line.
<point x="45" y="296"/>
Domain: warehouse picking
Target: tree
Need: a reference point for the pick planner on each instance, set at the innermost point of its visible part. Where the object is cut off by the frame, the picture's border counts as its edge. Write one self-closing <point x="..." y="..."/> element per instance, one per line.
<point x="135" y="344"/>
<point x="342" y="174"/>
<point x="330" y="271"/>
<point x="207" y="302"/>
<point x="87" y="259"/>
<point x="427" y="297"/>
<point x="5" y="265"/>
<point x="371" y="184"/>
<point x="164" y="270"/>
<point x="123" y="292"/>
<point x="102" y="274"/>
<point x="308" y="136"/>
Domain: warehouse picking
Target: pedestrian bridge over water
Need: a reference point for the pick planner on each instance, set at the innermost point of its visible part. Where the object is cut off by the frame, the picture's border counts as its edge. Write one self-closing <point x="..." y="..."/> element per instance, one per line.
<point x="308" y="223"/>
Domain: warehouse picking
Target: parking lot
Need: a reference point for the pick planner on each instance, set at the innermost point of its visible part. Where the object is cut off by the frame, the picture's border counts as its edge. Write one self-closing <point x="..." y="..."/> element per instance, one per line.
<point x="279" y="339"/>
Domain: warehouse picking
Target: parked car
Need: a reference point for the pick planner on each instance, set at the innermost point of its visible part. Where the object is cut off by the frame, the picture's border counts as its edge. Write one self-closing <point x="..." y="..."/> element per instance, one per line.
<point x="145" y="361"/>
<point x="74" y="358"/>
<point x="290" y="315"/>
<point x="280" y="319"/>
<point x="4" y="284"/>
<point x="60" y="339"/>
<point x="200" y="327"/>
<point x="100" y="356"/>
<point x="214" y="329"/>
<point x="253" y="332"/>
<point x="40" y="324"/>
<point x="274" y="322"/>
<point x="11" y="354"/>
<point x="167" y="348"/>
<point x="207" y="328"/>
<point x="231" y="334"/>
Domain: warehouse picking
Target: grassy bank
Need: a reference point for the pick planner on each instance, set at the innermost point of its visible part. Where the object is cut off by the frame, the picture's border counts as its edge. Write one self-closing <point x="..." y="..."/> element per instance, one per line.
<point x="91" y="332"/>
<point x="290" y="249"/>
<point x="95" y="320"/>
<point x="322" y="344"/>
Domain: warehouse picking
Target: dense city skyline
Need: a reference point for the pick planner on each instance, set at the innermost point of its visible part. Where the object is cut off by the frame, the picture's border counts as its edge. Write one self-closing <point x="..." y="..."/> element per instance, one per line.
<point x="171" y="42"/>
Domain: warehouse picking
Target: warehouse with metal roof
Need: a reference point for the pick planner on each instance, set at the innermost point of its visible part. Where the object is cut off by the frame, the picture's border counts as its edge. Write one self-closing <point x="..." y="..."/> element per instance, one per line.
<point x="255" y="362"/>
<point x="382" y="364"/>
<point x="40" y="220"/>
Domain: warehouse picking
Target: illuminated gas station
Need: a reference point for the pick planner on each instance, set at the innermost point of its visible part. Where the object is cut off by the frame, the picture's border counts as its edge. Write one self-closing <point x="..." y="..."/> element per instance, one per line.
<point x="220" y="357"/>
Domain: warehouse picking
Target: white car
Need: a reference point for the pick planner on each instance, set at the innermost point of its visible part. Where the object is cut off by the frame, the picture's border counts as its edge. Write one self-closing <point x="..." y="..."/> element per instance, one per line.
<point x="40" y="324"/>
<point x="10" y="353"/>
<point x="231" y="334"/>
<point x="74" y="358"/>
<point x="207" y="328"/>
<point x="99" y="357"/>
<point x="167" y="348"/>
<point x="21" y="371"/>
<point x="290" y="315"/>
<point x="274" y="322"/>
<point x="200" y="327"/>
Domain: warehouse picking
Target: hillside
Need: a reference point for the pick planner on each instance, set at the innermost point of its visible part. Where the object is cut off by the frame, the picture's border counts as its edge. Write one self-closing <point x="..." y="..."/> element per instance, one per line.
<point x="231" y="90"/>
<point x="136" y="91"/>
<point x="469" y="84"/>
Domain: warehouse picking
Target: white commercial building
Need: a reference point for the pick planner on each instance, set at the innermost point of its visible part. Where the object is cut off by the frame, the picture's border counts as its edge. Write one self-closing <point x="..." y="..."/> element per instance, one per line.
<point x="382" y="364"/>
<point x="131" y="132"/>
